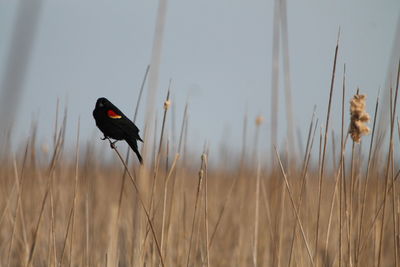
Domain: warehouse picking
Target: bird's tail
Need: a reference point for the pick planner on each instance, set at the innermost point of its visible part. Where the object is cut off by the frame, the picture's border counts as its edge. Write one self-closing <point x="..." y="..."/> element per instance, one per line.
<point x="133" y="144"/>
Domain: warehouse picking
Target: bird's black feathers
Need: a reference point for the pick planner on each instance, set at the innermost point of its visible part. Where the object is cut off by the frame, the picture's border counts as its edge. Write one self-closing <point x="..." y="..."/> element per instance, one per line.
<point x="114" y="124"/>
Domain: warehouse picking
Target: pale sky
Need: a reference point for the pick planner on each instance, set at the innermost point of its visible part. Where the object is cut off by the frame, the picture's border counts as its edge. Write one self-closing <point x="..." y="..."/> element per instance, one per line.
<point x="217" y="53"/>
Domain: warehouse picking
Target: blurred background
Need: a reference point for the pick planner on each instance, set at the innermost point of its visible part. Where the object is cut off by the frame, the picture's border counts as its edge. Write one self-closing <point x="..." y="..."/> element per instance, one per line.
<point x="218" y="54"/>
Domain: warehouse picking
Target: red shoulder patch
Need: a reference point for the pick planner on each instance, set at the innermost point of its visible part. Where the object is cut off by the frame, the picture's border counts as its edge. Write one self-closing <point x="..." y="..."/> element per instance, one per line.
<point x="111" y="113"/>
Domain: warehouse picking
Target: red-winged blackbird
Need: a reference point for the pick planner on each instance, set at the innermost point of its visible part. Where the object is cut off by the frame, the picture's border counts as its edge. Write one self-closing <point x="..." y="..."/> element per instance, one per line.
<point x="114" y="124"/>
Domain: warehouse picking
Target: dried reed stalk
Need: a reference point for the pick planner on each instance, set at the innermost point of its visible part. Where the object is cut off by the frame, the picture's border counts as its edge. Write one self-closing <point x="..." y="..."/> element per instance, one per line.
<point x="149" y="221"/>
<point x="201" y="176"/>
<point x="390" y="154"/>
<point x="294" y="208"/>
<point x="324" y="149"/>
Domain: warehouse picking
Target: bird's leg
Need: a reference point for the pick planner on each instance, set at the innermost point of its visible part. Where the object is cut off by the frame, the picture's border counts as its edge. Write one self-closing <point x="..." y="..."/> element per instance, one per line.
<point x="112" y="144"/>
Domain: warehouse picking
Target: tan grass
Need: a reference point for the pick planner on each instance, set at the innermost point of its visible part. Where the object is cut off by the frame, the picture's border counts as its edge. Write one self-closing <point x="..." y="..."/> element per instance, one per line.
<point x="74" y="210"/>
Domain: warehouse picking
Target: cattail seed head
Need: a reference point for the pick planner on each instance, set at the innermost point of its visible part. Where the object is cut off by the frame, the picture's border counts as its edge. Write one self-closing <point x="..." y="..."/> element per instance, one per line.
<point x="167" y="103"/>
<point x="359" y="118"/>
<point x="259" y="120"/>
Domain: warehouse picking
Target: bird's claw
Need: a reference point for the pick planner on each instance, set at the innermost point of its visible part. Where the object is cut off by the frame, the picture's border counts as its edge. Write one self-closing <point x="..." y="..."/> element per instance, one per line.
<point x="112" y="144"/>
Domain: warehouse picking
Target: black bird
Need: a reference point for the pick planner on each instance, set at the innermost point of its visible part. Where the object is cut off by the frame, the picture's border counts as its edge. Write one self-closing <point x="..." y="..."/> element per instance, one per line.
<point x="114" y="124"/>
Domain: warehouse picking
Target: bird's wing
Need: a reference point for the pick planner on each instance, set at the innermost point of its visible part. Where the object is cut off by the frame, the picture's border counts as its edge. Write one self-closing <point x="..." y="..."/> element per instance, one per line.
<point x="123" y="122"/>
<point x="127" y="125"/>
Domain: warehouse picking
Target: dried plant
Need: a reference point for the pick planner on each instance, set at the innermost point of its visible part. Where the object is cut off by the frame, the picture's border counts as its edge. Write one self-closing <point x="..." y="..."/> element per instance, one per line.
<point x="259" y="120"/>
<point x="167" y="103"/>
<point x="359" y="118"/>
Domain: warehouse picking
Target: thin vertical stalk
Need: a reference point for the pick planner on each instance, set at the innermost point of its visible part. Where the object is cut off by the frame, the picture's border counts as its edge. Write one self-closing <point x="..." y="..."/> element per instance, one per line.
<point x="157" y="158"/>
<point x="171" y="170"/>
<point x="350" y="225"/>
<point x="275" y="76"/>
<point x="121" y="191"/>
<point x="153" y="78"/>
<point x="387" y="171"/>
<point x="342" y="151"/>
<point x="308" y="139"/>
<point x="75" y="193"/>
<point x="280" y="223"/>
<point x="19" y="183"/>
<point x="367" y="179"/>
<point x="398" y="127"/>
<point x="394" y="208"/>
<point x="256" y="215"/>
<point x="373" y="223"/>
<point x="56" y="123"/>
<point x="153" y="187"/>
<point x="150" y="223"/>
<point x="87" y="224"/>
<point x="201" y="176"/>
<point x="337" y="179"/>
<point x="288" y="89"/>
<point x="52" y="219"/>
<point x="168" y="223"/>
<point x="205" y="160"/>
<point x="307" y="156"/>
<point x="324" y="149"/>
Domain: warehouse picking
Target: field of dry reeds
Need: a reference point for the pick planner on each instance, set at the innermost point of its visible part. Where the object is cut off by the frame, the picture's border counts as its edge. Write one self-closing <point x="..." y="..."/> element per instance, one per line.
<point x="59" y="208"/>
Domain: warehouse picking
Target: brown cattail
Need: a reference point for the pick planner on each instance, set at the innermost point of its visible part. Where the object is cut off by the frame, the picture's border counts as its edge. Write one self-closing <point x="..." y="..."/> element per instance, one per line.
<point x="259" y="120"/>
<point x="359" y="118"/>
<point x="167" y="103"/>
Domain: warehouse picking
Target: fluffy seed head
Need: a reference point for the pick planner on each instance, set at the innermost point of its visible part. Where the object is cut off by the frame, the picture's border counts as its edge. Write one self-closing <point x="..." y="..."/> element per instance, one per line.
<point x="359" y="118"/>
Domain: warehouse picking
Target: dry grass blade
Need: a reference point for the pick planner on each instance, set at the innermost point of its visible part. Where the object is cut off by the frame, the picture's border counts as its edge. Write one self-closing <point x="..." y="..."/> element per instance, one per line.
<point x="367" y="178"/>
<point x="332" y="203"/>
<point x="373" y="223"/>
<point x="307" y="157"/>
<point x="256" y="216"/>
<point x="19" y="183"/>
<point x="398" y="127"/>
<point x="171" y="170"/>
<point x="167" y="103"/>
<point x="8" y="203"/>
<point x="75" y="193"/>
<point x="204" y="158"/>
<point x="390" y="155"/>
<point x="294" y="208"/>
<point x="201" y="176"/>
<point x="341" y="166"/>
<point x="324" y="149"/>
